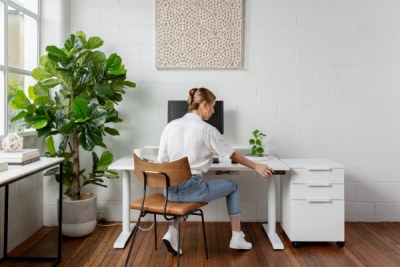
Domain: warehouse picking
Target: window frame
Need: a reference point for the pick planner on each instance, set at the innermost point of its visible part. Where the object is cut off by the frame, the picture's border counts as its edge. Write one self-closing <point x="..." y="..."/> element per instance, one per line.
<point x="5" y="68"/>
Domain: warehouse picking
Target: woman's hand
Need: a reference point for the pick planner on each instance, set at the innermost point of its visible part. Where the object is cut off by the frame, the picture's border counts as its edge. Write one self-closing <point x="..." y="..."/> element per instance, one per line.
<point x="264" y="170"/>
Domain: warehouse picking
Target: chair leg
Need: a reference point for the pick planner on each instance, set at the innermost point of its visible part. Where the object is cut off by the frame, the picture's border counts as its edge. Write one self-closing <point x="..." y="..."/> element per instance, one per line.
<point x="155" y="231"/>
<point x="204" y="233"/>
<point x="135" y="230"/>
<point x="179" y="242"/>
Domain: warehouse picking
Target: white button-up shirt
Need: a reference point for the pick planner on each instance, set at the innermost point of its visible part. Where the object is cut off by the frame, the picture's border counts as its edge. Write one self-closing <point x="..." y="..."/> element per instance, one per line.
<point x="194" y="138"/>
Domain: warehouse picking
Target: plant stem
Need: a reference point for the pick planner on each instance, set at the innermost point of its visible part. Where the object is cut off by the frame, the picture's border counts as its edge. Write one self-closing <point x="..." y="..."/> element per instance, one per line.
<point x="75" y="181"/>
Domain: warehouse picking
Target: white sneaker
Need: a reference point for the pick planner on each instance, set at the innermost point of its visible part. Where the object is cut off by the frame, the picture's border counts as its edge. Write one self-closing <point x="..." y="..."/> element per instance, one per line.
<point x="170" y="240"/>
<point x="238" y="241"/>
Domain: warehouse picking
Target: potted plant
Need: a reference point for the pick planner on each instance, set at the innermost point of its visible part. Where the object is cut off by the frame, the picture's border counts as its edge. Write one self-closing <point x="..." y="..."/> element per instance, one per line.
<point x="74" y="99"/>
<point x="257" y="146"/>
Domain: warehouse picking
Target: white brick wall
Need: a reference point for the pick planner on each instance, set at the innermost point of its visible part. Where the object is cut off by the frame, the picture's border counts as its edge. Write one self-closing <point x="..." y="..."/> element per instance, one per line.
<point x="321" y="78"/>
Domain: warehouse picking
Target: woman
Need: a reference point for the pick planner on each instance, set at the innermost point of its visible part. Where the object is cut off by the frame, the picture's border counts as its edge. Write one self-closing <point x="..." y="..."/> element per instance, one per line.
<point x="190" y="136"/>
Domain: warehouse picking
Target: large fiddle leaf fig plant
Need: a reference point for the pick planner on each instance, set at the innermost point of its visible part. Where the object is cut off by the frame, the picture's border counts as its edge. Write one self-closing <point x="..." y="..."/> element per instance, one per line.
<point x="75" y="98"/>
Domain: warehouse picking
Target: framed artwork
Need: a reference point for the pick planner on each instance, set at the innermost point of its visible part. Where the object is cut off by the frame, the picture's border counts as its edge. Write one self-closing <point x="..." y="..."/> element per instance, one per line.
<point x="199" y="34"/>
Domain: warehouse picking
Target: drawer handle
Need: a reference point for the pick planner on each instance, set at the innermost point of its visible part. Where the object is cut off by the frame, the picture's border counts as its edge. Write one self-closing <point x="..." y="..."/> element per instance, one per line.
<point x="319" y="185"/>
<point x="319" y="200"/>
<point x="315" y="168"/>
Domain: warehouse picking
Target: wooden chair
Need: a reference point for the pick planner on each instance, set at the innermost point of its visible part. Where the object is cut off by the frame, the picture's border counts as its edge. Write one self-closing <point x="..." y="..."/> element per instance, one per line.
<point x="163" y="175"/>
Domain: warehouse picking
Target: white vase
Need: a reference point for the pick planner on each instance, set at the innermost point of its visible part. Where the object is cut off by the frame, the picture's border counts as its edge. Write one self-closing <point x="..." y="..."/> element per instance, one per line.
<point x="79" y="216"/>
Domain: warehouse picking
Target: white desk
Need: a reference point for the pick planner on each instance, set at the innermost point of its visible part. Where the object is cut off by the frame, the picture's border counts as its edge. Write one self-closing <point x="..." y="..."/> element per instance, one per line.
<point x="15" y="173"/>
<point x="125" y="164"/>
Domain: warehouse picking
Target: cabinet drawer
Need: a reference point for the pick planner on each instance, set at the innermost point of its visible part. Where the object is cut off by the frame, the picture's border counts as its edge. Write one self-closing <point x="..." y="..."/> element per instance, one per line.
<point x="317" y="176"/>
<point x="317" y="221"/>
<point x="317" y="190"/>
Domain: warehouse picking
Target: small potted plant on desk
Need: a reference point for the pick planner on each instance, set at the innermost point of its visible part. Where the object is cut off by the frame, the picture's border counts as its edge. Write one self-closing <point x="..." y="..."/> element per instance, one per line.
<point x="257" y="147"/>
<point x="78" y="113"/>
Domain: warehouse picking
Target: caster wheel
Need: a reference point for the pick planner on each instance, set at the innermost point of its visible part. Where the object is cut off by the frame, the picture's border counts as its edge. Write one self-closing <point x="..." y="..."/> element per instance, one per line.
<point x="296" y="244"/>
<point x="340" y="244"/>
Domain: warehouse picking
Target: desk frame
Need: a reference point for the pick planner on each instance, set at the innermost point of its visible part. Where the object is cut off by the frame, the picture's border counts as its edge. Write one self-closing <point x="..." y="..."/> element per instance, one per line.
<point x="43" y="164"/>
<point x="125" y="164"/>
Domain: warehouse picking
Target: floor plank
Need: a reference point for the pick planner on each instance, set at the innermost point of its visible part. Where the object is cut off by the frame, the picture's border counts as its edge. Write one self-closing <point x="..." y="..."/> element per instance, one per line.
<point x="367" y="244"/>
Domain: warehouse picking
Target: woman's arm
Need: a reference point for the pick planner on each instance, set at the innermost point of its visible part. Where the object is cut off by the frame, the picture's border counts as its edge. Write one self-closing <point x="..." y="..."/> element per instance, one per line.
<point x="262" y="169"/>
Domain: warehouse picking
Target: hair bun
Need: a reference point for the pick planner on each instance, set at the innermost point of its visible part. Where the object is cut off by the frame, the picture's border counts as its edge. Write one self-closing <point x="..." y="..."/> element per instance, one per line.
<point x="191" y="94"/>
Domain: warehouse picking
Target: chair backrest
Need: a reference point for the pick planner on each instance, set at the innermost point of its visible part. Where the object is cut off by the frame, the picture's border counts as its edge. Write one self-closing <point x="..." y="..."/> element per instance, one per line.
<point x="178" y="171"/>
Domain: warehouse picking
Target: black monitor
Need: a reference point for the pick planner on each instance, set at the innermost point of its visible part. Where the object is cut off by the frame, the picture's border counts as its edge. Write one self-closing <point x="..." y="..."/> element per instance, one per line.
<point x="178" y="108"/>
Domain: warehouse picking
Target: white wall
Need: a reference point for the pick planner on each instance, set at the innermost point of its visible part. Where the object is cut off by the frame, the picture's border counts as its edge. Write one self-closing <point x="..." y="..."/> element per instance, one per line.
<point x="321" y="78"/>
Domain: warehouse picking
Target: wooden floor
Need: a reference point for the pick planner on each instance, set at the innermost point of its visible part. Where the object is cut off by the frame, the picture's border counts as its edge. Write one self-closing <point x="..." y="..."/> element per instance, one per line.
<point x="367" y="244"/>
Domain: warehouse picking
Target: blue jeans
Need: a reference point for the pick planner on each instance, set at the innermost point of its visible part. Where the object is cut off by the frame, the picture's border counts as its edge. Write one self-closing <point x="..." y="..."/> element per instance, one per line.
<point x="196" y="189"/>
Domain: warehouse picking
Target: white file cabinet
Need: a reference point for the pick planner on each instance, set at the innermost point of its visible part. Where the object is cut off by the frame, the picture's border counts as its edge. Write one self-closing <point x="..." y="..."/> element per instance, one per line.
<point x="313" y="201"/>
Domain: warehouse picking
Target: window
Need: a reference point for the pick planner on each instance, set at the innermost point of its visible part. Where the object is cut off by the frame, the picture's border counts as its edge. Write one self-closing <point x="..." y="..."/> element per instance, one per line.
<point x="19" y="55"/>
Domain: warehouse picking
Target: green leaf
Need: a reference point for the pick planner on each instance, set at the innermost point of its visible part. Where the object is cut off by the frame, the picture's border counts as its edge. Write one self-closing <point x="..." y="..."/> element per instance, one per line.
<point x="118" y="72"/>
<point x="91" y="137"/>
<point x="252" y="142"/>
<point x="50" y="145"/>
<point x="112" y="113"/>
<point x="258" y="143"/>
<point x="68" y="128"/>
<point x="31" y="93"/>
<point x="64" y="77"/>
<point x="105" y="160"/>
<point x="129" y="84"/>
<point x="20" y="101"/>
<point x="49" y="65"/>
<point x="73" y="44"/>
<point x="255" y="132"/>
<point x="40" y="124"/>
<point x="43" y="101"/>
<point x="40" y="74"/>
<point x="95" y="161"/>
<point x="104" y="90"/>
<point x="260" y="150"/>
<point x="94" y="42"/>
<point x="96" y="57"/>
<point x="19" y="116"/>
<point x="56" y="53"/>
<point x="97" y="115"/>
<point x="39" y="90"/>
<point x="50" y="83"/>
<point x="111" y="131"/>
<point x="80" y="108"/>
<point x="31" y="108"/>
<point x="81" y="34"/>
<point x="43" y="60"/>
<point x="113" y="62"/>
<point x="65" y="93"/>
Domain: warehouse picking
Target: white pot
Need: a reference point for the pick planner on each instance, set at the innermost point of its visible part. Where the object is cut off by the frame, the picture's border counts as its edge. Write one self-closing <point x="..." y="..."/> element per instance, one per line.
<point x="79" y="216"/>
<point x="256" y="158"/>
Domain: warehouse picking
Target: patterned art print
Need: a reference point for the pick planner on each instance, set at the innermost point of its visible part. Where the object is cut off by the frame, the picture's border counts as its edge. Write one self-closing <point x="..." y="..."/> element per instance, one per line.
<point x="199" y="34"/>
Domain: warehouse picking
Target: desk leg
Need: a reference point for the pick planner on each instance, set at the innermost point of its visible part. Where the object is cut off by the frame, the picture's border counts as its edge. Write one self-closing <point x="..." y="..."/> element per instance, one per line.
<point x="60" y="202"/>
<point x="127" y="227"/>
<point x="5" y="222"/>
<point x="270" y="228"/>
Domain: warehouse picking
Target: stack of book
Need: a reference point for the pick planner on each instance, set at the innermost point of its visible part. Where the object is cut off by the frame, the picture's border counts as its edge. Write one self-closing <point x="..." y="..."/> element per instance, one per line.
<point x="21" y="157"/>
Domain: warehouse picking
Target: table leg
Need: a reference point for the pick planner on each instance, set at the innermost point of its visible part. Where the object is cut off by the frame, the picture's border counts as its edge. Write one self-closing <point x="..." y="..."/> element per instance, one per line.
<point x="270" y="228"/>
<point x="127" y="227"/>
<point x="60" y="202"/>
<point x="5" y="243"/>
